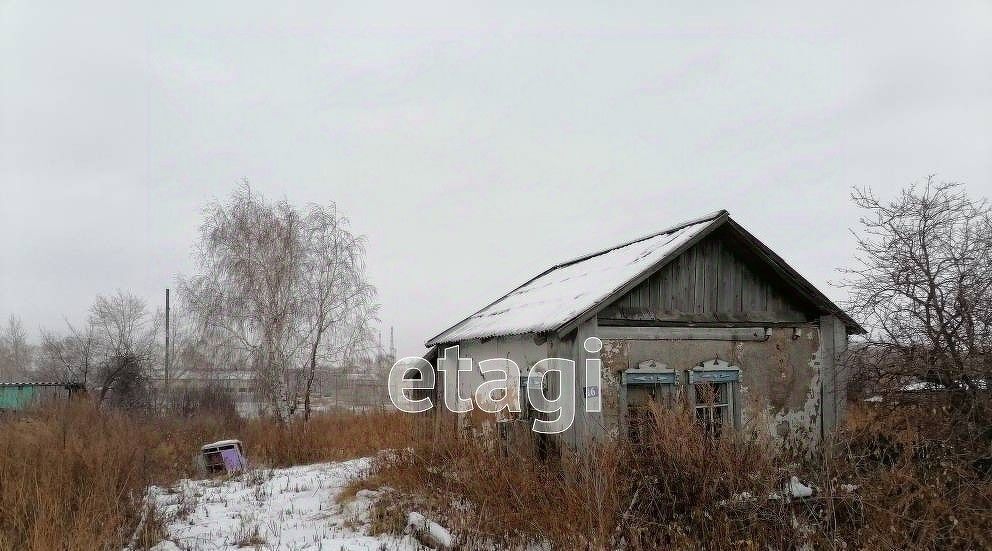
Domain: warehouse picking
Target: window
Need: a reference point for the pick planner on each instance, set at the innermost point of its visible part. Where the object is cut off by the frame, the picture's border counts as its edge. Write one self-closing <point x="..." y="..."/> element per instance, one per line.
<point x="712" y="405"/>
<point x="714" y="388"/>
<point x="650" y="384"/>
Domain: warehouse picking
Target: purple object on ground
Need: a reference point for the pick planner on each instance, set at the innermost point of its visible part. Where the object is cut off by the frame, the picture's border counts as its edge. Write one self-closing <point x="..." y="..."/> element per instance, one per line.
<point x="232" y="460"/>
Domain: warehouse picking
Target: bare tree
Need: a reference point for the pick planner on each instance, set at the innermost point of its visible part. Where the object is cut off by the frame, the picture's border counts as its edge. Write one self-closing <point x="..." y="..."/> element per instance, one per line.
<point x="923" y="287"/>
<point x="190" y="354"/>
<point x="249" y="254"/>
<point x="124" y="347"/>
<point x="16" y="353"/>
<point x="281" y="289"/>
<point x="337" y="302"/>
<point x="68" y="358"/>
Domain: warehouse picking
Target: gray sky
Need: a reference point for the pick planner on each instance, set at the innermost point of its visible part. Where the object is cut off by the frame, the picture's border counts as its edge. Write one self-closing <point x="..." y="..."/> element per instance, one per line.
<point x="473" y="145"/>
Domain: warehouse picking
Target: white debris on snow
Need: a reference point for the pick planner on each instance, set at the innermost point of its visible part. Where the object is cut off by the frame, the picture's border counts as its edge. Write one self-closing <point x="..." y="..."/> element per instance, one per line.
<point x="798" y="489"/>
<point x="428" y="531"/>
<point x="568" y="289"/>
<point x="293" y="509"/>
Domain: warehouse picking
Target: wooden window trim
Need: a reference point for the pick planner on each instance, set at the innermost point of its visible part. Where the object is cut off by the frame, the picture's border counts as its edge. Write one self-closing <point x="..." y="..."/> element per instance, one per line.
<point x="721" y="372"/>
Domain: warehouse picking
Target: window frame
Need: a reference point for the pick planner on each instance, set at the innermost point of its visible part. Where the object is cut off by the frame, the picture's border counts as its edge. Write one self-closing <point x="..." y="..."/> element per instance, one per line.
<point x="647" y="374"/>
<point x="716" y="372"/>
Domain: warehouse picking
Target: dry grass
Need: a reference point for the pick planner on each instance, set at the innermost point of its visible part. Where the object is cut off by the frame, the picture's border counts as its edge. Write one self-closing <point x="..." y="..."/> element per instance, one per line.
<point x="330" y="437"/>
<point x="652" y="495"/>
<point x="924" y="477"/>
<point x="73" y="477"/>
<point x="922" y="483"/>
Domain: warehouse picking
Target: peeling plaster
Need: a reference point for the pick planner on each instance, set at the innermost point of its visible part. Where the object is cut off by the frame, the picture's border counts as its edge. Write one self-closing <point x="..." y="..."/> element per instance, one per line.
<point x="780" y="378"/>
<point x="803" y="430"/>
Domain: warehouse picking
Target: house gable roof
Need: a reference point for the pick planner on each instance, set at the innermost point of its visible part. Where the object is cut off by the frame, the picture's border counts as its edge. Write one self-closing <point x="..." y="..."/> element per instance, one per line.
<point x="569" y="293"/>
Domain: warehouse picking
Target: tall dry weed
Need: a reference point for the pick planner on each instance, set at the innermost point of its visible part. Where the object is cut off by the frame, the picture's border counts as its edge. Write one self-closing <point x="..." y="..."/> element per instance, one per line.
<point x="73" y="476"/>
<point x="906" y="478"/>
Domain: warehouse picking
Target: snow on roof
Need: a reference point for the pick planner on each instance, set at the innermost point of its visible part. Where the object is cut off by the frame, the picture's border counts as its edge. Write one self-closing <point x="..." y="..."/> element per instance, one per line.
<point x="566" y="290"/>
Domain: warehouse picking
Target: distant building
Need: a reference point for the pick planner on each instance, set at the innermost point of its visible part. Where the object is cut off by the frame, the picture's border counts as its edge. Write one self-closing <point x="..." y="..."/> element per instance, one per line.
<point x="239" y="384"/>
<point x="359" y="385"/>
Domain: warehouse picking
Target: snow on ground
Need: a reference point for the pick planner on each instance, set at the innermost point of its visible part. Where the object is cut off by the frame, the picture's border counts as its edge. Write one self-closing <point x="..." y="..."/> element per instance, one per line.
<point x="286" y="509"/>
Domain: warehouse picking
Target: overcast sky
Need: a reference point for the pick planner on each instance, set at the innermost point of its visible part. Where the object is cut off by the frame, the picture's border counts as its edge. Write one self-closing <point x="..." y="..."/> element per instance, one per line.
<point x="473" y="145"/>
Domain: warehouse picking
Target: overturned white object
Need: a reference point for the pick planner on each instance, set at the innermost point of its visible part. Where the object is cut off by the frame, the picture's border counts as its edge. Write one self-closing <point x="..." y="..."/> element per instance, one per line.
<point x="428" y="532"/>
<point x="798" y="489"/>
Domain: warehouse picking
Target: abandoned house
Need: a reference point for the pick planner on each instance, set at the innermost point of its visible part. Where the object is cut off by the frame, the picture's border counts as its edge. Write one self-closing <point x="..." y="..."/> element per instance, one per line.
<point x="702" y="311"/>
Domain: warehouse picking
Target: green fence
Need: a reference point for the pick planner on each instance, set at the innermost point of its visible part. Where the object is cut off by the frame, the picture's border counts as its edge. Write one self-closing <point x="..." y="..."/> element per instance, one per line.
<point x="17" y="397"/>
<point x="20" y="395"/>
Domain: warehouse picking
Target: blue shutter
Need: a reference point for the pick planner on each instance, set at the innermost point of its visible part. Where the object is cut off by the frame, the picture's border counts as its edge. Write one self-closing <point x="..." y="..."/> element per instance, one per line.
<point x="727" y="376"/>
<point x="648" y="378"/>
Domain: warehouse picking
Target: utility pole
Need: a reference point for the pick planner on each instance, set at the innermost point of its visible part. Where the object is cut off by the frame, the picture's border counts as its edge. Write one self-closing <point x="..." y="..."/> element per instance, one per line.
<point x="167" y="358"/>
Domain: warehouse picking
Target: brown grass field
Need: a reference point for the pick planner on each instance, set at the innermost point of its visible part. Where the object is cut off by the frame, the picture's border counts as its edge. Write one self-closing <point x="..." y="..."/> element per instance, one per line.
<point x="73" y="477"/>
<point x="913" y="478"/>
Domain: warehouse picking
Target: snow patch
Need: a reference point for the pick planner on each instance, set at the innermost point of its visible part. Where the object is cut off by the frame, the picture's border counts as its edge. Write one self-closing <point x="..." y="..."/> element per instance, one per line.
<point x="293" y="509"/>
<point x="429" y="532"/>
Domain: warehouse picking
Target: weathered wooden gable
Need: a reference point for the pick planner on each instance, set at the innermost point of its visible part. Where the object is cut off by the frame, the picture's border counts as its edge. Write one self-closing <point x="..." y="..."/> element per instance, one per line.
<point x="719" y="279"/>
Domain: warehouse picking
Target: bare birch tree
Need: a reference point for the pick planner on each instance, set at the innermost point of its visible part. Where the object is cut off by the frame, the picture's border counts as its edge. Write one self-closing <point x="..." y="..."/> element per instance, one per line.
<point x="280" y="289"/>
<point x="337" y="300"/>
<point x="923" y="287"/>
<point x="16" y="353"/>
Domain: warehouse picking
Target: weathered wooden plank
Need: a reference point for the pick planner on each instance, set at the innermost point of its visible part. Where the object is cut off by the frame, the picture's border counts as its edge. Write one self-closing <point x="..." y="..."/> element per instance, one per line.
<point x="725" y="302"/>
<point x="699" y="290"/>
<point x="682" y="333"/>
<point x="762" y="317"/>
<point x="709" y="278"/>
<point x="700" y="324"/>
<point x="655" y="284"/>
<point x="712" y="276"/>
